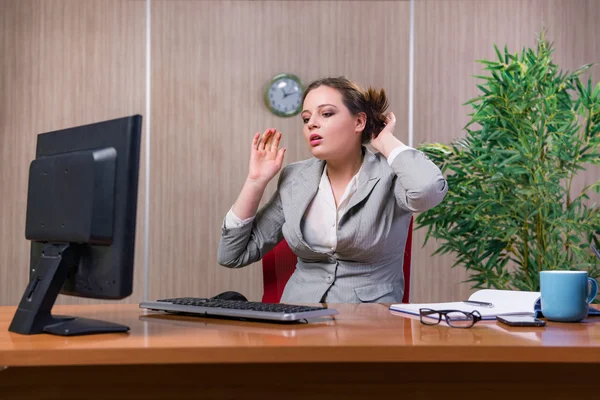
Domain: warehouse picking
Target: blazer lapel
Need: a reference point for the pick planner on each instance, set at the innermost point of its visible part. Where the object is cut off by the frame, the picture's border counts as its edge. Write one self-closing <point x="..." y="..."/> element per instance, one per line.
<point x="304" y="190"/>
<point x="368" y="178"/>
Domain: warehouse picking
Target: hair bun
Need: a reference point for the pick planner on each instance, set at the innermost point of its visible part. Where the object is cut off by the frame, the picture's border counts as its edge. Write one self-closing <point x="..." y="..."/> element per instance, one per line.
<point x="376" y="104"/>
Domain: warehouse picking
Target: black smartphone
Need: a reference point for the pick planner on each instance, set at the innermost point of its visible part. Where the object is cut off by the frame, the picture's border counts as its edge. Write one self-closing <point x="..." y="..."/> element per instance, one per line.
<point x="521" y="321"/>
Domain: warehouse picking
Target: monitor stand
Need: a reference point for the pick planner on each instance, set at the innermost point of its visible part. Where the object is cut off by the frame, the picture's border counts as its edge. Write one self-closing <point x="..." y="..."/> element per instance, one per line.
<point x="34" y="312"/>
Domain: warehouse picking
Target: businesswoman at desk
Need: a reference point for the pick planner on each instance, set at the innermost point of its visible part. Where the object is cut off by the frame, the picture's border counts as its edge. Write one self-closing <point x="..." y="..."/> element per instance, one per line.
<point x="345" y="212"/>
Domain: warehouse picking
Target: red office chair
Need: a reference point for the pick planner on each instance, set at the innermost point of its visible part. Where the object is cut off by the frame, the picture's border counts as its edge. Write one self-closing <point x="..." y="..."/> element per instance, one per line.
<point x="279" y="264"/>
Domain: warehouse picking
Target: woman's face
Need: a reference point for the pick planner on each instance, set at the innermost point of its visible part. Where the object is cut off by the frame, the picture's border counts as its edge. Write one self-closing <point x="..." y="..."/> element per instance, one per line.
<point x="329" y="129"/>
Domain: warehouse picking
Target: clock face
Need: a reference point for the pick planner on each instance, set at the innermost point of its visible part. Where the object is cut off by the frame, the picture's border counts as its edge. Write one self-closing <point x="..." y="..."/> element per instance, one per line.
<point x="283" y="95"/>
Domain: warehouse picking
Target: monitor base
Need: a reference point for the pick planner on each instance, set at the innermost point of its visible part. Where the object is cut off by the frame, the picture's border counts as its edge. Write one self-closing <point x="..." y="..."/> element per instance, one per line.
<point x="33" y="314"/>
<point x="72" y="326"/>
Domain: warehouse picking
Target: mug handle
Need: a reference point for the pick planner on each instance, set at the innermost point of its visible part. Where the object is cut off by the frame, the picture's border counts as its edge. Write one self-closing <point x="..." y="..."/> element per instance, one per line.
<point x="593" y="290"/>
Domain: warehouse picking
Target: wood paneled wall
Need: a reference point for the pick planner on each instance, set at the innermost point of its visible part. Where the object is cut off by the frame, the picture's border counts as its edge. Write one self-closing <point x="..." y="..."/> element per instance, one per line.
<point x="63" y="63"/>
<point x="72" y="62"/>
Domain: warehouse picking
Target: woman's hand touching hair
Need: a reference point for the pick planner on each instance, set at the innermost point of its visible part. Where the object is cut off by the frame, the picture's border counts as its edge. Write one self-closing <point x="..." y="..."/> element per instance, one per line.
<point x="385" y="141"/>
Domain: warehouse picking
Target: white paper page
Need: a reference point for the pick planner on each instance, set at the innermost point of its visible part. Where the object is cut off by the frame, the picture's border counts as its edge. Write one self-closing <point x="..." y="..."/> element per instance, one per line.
<point x="506" y="302"/>
<point x="484" y="311"/>
<point x="510" y="300"/>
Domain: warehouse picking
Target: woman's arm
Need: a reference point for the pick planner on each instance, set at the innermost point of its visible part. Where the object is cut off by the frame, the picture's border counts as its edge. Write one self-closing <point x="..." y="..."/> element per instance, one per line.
<point x="420" y="184"/>
<point x="242" y="243"/>
<point x="247" y="243"/>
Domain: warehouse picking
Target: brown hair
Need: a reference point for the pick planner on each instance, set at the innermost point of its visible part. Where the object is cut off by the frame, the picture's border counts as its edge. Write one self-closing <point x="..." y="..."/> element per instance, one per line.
<point x="372" y="102"/>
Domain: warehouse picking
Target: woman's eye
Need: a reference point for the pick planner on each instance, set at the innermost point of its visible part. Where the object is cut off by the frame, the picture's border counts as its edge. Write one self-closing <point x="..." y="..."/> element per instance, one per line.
<point x="305" y="120"/>
<point x="327" y="114"/>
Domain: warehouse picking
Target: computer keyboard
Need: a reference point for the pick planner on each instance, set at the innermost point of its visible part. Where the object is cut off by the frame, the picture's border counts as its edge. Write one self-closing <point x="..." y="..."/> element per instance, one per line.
<point x="238" y="309"/>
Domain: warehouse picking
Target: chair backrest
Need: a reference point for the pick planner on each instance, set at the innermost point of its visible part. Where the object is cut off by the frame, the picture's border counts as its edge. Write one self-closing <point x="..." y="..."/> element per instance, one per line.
<point x="279" y="264"/>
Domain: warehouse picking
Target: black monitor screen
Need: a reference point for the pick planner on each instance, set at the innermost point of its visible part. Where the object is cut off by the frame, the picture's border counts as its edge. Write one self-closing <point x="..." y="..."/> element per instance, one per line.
<point x="81" y="221"/>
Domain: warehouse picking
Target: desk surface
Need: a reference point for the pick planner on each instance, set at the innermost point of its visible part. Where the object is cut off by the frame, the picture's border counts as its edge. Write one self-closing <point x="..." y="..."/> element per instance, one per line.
<point x="360" y="333"/>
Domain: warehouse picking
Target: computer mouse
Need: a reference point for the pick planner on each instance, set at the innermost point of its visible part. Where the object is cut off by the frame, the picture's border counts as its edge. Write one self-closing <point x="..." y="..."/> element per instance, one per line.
<point x="230" y="295"/>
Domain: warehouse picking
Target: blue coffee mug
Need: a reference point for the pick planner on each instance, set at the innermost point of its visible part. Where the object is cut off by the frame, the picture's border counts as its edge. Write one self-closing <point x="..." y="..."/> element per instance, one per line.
<point x="566" y="295"/>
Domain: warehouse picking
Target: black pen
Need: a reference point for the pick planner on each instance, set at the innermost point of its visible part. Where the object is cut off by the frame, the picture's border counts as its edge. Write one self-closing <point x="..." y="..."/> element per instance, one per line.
<point x="479" y="303"/>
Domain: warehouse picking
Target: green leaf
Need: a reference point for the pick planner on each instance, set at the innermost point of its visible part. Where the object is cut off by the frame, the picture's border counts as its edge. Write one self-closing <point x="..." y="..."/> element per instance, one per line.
<point x="498" y="53"/>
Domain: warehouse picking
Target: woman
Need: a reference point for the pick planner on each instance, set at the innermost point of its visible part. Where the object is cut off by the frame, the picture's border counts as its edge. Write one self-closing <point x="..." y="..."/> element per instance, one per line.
<point x="345" y="212"/>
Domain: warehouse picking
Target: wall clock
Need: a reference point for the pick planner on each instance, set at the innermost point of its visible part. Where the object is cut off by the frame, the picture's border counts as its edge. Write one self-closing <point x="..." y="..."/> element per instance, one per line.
<point x="283" y="95"/>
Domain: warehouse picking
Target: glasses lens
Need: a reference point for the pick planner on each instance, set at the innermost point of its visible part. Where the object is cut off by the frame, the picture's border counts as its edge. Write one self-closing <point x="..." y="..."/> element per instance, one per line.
<point x="430" y="317"/>
<point x="459" y="320"/>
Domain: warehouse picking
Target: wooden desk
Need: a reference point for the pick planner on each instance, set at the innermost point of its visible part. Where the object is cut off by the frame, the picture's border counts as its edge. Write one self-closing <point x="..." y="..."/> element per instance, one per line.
<point x="364" y="352"/>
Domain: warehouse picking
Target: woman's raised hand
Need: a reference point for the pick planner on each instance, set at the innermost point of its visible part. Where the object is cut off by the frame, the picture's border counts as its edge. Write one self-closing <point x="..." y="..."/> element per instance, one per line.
<point x="385" y="142"/>
<point x="266" y="158"/>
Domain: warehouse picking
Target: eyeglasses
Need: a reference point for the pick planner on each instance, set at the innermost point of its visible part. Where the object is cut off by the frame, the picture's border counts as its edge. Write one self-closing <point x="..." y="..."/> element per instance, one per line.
<point x="454" y="318"/>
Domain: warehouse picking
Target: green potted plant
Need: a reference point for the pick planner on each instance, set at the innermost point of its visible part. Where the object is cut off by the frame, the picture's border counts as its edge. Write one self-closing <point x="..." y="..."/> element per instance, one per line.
<point x="510" y="211"/>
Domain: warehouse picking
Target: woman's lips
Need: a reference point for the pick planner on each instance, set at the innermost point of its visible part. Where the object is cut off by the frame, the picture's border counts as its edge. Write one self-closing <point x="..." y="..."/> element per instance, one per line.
<point x="315" y="139"/>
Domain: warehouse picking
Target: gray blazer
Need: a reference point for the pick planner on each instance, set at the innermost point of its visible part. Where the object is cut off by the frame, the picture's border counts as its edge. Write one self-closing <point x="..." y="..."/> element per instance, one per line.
<point x="367" y="263"/>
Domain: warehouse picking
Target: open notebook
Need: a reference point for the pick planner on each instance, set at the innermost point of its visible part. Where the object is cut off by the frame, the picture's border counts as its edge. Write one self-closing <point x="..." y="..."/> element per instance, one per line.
<point x="505" y="302"/>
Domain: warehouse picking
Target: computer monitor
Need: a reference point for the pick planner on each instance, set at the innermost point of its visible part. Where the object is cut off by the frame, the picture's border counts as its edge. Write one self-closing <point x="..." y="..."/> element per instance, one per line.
<point x="81" y="220"/>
